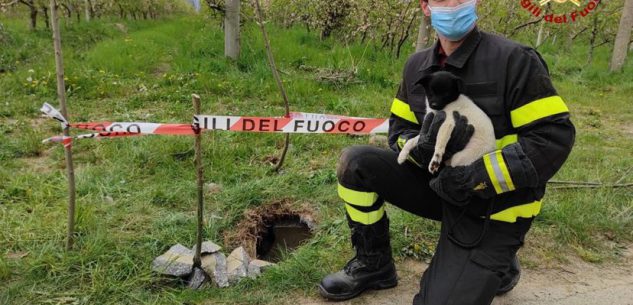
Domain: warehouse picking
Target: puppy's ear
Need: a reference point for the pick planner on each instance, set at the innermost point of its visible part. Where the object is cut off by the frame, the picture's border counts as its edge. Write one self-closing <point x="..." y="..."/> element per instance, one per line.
<point x="424" y="81"/>
<point x="459" y="84"/>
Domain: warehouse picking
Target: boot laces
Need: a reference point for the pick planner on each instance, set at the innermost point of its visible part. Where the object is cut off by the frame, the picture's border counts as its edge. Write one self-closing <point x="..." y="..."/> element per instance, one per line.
<point x="370" y="261"/>
<point x="353" y="264"/>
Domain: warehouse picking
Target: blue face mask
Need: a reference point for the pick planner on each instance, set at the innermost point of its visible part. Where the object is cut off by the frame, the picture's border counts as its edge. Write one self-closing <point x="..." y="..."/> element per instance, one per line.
<point x="454" y="23"/>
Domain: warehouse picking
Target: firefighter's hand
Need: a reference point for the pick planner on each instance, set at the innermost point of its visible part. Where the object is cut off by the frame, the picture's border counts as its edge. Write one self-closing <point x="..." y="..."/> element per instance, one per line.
<point x="419" y="150"/>
<point x="462" y="132"/>
<point x="459" y="184"/>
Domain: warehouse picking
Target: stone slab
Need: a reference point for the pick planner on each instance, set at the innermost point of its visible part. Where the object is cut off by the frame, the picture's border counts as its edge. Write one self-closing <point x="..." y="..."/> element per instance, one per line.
<point x="177" y="261"/>
<point x="237" y="264"/>
<point x="207" y="247"/>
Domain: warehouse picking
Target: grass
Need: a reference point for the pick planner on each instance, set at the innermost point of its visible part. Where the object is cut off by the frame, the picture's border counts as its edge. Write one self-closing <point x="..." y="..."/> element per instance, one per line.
<point x="136" y="196"/>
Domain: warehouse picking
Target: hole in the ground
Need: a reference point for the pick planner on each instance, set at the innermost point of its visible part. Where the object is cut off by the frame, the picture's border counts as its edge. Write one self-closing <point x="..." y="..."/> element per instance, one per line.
<point x="281" y="236"/>
<point x="271" y="230"/>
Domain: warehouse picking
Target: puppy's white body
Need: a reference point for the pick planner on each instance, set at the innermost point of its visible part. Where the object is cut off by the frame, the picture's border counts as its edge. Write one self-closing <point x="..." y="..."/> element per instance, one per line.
<point x="481" y="142"/>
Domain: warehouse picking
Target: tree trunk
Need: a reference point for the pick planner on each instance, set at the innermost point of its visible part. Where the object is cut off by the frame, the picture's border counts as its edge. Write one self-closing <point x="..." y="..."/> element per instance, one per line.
<point x="592" y="40"/>
<point x="623" y="37"/>
<point x="121" y="11"/>
<point x="404" y="36"/>
<point x="46" y="19"/>
<point x="33" y="16"/>
<point x="423" y="34"/>
<point x="539" y="36"/>
<point x="232" y="29"/>
<point x="87" y="9"/>
<point x="68" y="11"/>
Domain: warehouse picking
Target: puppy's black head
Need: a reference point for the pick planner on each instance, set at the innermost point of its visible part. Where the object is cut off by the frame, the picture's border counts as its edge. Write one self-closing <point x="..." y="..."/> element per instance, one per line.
<point x="441" y="88"/>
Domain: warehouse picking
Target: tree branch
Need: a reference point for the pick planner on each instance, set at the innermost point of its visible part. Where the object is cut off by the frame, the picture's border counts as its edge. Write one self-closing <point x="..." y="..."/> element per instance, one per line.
<point x="8" y="3"/>
<point x="524" y="25"/>
<point x="273" y="67"/>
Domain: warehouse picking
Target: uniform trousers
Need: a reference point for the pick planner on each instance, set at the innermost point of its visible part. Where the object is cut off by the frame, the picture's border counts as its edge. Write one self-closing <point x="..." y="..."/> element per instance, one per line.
<point x="472" y="255"/>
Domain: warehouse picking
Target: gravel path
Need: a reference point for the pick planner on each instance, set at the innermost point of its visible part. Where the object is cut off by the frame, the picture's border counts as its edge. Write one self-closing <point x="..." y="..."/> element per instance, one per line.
<point x="577" y="283"/>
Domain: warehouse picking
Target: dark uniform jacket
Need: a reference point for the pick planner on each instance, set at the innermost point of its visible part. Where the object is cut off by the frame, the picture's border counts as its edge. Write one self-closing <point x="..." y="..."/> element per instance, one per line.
<point x="510" y="83"/>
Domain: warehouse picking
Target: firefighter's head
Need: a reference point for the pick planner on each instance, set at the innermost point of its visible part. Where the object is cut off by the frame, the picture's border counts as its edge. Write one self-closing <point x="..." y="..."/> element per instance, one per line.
<point x="451" y="19"/>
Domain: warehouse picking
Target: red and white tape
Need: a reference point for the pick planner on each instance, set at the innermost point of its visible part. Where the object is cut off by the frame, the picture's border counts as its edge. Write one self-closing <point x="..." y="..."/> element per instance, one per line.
<point x="297" y="122"/>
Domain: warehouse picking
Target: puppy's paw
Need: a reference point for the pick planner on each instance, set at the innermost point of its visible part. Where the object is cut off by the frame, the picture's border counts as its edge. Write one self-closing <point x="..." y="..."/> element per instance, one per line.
<point x="406" y="149"/>
<point x="402" y="156"/>
<point x="434" y="165"/>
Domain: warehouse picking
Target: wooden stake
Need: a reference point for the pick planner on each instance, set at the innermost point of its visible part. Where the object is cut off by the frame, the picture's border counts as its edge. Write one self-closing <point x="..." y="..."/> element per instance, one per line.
<point x="200" y="179"/>
<point x="61" y="95"/>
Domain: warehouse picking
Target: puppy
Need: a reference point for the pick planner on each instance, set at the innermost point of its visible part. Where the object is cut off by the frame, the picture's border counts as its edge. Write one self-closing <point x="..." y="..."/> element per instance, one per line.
<point x="444" y="92"/>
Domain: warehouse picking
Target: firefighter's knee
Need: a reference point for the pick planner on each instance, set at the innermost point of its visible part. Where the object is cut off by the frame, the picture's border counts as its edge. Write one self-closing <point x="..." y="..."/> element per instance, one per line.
<point x="349" y="163"/>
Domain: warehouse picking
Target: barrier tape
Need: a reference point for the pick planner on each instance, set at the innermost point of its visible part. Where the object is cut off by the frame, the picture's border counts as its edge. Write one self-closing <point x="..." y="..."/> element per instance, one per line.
<point x="296" y="122"/>
<point x="67" y="141"/>
<point x="53" y="113"/>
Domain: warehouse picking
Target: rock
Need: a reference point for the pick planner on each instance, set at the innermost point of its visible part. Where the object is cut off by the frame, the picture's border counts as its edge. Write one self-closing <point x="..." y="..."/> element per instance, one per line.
<point x="209" y="262"/>
<point x="198" y="279"/>
<point x="237" y="264"/>
<point x="254" y="271"/>
<point x="207" y="248"/>
<point x="17" y="255"/>
<point x="263" y="265"/>
<point x="121" y="27"/>
<point x="215" y="266"/>
<point x="379" y="140"/>
<point x="180" y="249"/>
<point x="177" y="261"/>
<point x="108" y="199"/>
<point x="257" y="266"/>
<point x="212" y="188"/>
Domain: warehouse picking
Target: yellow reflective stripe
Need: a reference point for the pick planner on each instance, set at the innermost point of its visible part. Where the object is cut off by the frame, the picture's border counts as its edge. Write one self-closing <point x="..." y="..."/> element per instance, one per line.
<point x="365" y="218"/>
<point x="402" y="110"/>
<point x="504" y="171"/>
<point x="498" y="172"/>
<point x="413" y="161"/>
<point x="363" y="199"/>
<point x="491" y="173"/>
<point x="401" y="142"/>
<point x="507" y="140"/>
<point x="538" y="109"/>
<point x="524" y="211"/>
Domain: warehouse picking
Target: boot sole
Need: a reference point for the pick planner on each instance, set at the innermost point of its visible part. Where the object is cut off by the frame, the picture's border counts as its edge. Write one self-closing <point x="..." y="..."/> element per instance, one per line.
<point x="510" y="286"/>
<point x="384" y="284"/>
<point x="515" y="280"/>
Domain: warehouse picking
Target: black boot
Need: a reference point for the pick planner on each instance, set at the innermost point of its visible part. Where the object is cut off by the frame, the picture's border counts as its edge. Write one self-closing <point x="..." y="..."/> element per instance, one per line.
<point x="371" y="268"/>
<point x="511" y="278"/>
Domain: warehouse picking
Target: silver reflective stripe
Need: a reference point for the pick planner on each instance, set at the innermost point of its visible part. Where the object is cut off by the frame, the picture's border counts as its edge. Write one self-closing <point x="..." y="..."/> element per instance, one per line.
<point x="498" y="174"/>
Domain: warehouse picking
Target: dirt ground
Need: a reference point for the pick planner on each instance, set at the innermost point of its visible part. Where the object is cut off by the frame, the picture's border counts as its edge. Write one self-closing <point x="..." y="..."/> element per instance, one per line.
<point x="576" y="283"/>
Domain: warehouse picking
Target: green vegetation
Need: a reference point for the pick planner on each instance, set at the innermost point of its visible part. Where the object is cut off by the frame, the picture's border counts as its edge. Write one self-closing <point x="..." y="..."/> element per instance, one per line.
<point x="136" y="196"/>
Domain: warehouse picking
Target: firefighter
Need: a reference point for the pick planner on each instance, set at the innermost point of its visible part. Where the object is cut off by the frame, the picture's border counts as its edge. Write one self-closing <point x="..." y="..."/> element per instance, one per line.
<point x="485" y="208"/>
